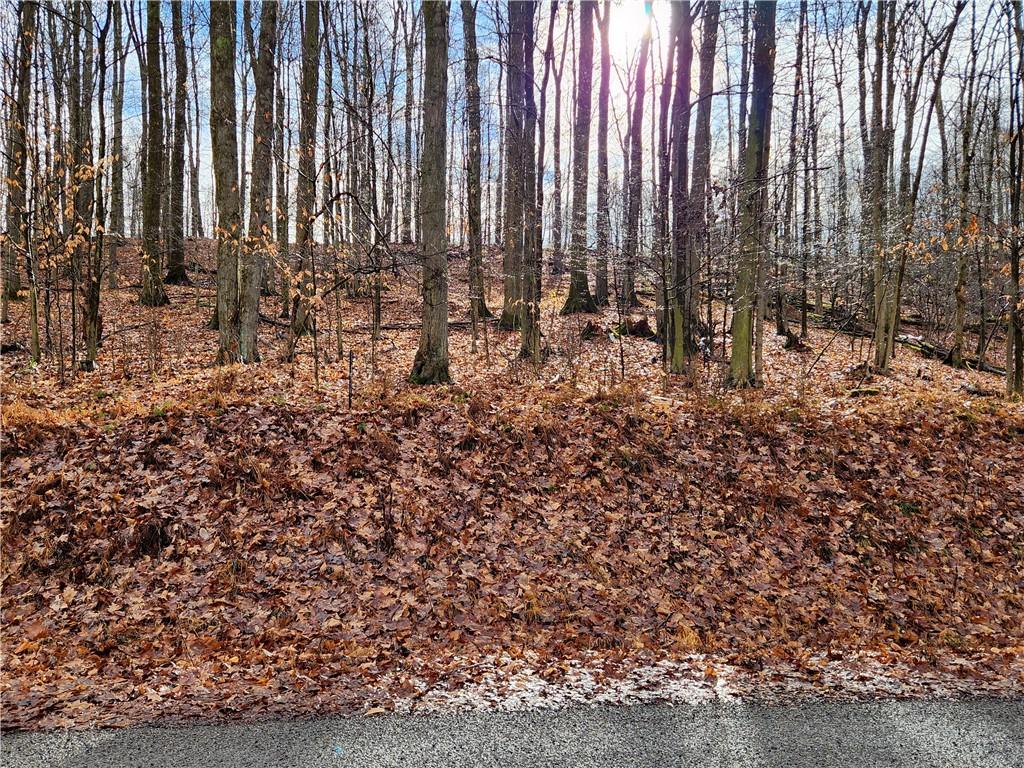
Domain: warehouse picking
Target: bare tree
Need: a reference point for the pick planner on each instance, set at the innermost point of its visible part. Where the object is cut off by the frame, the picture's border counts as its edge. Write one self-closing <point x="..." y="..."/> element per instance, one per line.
<point x="153" y="293"/>
<point x="305" y="187"/>
<point x="176" y="274"/>
<point x="431" y="363"/>
<point x="16" y="242"/>
<point x="478" y="306"/>
<point x="513" y="227"/>
<point x="634" y="186"/>
<point x="579" y="298"/>
<point x="257" y="246"/>
<point x="741" y="369"/>
<point x="225" y="172"/>
<point x="604" y="224"/>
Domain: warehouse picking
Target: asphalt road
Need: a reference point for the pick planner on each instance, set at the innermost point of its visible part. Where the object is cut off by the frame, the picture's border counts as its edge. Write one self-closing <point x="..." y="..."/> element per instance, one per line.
<point x="891" y="734"/>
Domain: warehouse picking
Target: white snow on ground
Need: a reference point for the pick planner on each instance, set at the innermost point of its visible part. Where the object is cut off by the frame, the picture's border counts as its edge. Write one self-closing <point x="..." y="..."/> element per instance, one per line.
<point x="504" y="683"/>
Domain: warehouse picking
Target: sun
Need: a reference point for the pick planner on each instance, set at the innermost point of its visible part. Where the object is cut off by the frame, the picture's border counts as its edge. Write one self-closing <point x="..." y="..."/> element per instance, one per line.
<point x="630" y="21"/>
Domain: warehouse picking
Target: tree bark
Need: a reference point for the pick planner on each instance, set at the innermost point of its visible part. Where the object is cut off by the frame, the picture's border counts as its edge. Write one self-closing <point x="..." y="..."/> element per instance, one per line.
<point x="430" y="365"/>
<point x="699" y="197"/>
<point x="512" y="258"/>
<point x="681" y="316"/>
<point x="604" y="224"/>
<point x="117" y="149"/>
<point x="281" y="192"/>
<point x="781" y="326"/>
<point x="579" y="298"/>
<point x="627" y="291"/>
<point x="1015" y="320"/>
<point x="557" y="256"/>
<point x="176" y="274"/>
<point x="153" y="293"/>
<point x="410" y="30"/>
<point x="741" y="370"/>
<point x="476" y="271"/>
<point x="305" y="186"/>
<point x="530" y="338"/>
<point x="17" y="153"/>
<point x="224" y="141"/>
<point x="257" y="248"/>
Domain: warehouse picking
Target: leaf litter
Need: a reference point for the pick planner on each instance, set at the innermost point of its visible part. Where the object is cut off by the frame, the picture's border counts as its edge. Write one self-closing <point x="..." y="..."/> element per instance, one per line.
<point x="237" y="543"/>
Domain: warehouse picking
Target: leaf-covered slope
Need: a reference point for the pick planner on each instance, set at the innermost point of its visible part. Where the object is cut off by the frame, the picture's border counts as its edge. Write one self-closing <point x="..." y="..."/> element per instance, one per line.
<point x="228" y="554"/>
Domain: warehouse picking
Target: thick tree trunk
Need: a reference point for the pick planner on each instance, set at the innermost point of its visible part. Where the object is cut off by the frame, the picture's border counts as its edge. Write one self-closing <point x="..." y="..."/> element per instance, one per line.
<point x="700" y="193"/>
<point x="96" y="226"/>
<point x="788" y="241"/>
<point x="661" y="198"/>
<point x="224" y="142"/>
<point x="967" y="149"/>
<point x="579" y="298"/>
<point x="476" y="271"/>
<point x="681" y="316"/>
<point x="884" y="274"/>
<point x="530" y="340"/>
<point x="431" y="363"/>
<point x="153" y="293"/>
<point x="281" y="196"/>
<point x="741" y="369"/>
<point x="305" y="187"/>
<point x="512" y="258"/>
<point x="258" y="245"/>
<point x="176" y="274"/>
<point x="17" y="153"/>
<point x="604" y="224"/>
<point x="116" y="234"/>
<point x="1015" y="320"/>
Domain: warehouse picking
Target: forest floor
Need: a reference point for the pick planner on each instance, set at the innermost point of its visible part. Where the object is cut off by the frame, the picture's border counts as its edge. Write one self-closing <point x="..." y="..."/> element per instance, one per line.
<point x="183" y="541"/>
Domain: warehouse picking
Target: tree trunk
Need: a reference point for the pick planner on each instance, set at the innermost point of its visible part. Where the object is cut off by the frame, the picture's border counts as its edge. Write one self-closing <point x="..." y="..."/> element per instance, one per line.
<point x="557" y="256"/>
<point x="604" y="224"/>
<point x="176" y="274"/>
<point x="967" y="147"/>
<point x="680" y="328"/>
<point x="788" y="228"/>
<point x="530" y="339"/>
<point x="431" y="363"/>
<point x="305" y="187"/>
<point x="512" y="258"/>
<point x="117" y="150"/>
<point x="281" y="194"/>
<point x="1015" y="321"/>
<point x="699" y="198"/>
<point x="476" y="271"/>
<point x="197" y="208"/>
<point x="255" y="252"/>
<point x="224" y="141"/>
<point x="627" y="291"/>
<point x="741" y="370"/>
<point x="410" y="57"/>
<point x="579" y="298"/>
<point x="153" y="293"/>
<point x="884" y="272"/>
<point x="661" y="199"/>
<point x="17" y="153"/>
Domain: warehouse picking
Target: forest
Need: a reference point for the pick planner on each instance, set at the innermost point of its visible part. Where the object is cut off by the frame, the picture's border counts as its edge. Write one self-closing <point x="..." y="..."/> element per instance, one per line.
<point x="355" y="353"/>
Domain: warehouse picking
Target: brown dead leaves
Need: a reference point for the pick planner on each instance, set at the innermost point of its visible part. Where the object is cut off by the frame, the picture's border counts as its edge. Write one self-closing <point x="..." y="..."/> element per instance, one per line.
<point x="220" y="543"/>
<point x="306" y="551"/>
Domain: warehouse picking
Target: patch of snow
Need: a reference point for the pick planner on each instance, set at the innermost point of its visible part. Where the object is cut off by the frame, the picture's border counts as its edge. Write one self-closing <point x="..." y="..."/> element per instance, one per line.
<point x="503" y="683"/>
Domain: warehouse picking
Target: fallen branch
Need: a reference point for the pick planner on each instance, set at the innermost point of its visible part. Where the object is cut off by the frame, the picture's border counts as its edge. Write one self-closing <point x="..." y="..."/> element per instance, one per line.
<point x="935" y="352"/>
